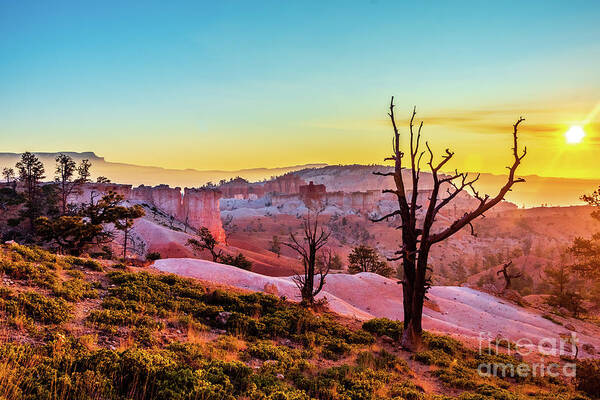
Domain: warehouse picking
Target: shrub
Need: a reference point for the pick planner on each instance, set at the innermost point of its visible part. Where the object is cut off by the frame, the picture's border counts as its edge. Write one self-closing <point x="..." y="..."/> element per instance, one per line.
<point x="38" y="307"/>
<point x="407" y="391"/>
<point x="457" y="376"/>
<point x="88" y="263"/>
<point x="335" y="348"/>
<point x="380" y="360"/>
<point x="444" y="343"/>
<point x="74" y="273"/>
<point x="33" y="253"/>
<point x="144" y="335"/>
<point x="360" y="337"/>
<point x="39" y="274"/>
<point x="153" y="256"/>
<point x="241" y="324"/>
<point x="268" y="351"/>
<point x="588" y="377"/>
<point x="433" y="357"/>
<point x="75" y="290"/>
<point x="384" y="327"/>
<point x="238" y="261"/>
<point x="108" y="319"/>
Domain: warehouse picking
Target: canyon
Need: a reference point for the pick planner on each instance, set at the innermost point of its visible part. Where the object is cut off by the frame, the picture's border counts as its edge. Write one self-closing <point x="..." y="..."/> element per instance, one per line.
<point x="539" y="190"/>
<point x="195" y="207"/>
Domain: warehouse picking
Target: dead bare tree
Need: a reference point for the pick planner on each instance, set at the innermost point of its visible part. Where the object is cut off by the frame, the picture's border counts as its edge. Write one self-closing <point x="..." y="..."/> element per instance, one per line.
<point x="417" y="235"/>
<point x="508" y="277"/>
<point x="313" y="239"/>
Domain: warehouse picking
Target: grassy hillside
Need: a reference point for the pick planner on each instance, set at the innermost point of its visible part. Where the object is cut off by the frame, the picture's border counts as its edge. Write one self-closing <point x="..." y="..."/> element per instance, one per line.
<point x="76" y="328"/>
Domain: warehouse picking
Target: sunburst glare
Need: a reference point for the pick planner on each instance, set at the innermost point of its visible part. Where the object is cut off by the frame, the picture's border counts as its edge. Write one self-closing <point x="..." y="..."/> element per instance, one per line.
<point x="575" y="134"/>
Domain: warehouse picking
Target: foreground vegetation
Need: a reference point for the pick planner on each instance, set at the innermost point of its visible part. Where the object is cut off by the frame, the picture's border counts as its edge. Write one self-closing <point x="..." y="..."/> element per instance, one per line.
<point x="74" y="328"/>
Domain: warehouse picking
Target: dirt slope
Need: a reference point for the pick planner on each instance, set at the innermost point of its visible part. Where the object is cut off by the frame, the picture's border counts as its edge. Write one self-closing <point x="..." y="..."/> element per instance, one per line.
<point x="462" y="311"/>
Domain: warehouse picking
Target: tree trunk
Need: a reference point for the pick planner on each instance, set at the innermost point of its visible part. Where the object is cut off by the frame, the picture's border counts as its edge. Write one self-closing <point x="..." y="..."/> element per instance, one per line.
<point x="125" y="232"/>
<point x="412" y="336"/>
<point x="414" y="292"/>
<point x="64" y="198"/>
<point x="310" y="279"/>
<point x="407" y="294"/>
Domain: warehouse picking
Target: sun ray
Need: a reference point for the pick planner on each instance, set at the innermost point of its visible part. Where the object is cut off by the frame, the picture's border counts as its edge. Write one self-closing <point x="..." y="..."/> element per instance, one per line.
<point x="592" y="115"/>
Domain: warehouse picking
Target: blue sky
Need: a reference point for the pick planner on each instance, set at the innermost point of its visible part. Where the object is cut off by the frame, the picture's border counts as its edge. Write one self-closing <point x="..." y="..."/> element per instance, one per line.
<point x="234" y="84"/>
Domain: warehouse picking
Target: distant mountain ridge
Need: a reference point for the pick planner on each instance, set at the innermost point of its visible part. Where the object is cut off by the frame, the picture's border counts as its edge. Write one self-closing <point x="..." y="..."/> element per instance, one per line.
<point x="149" y="175"/>
<point x="90" y="155"/>
<point x="536" y="191"/>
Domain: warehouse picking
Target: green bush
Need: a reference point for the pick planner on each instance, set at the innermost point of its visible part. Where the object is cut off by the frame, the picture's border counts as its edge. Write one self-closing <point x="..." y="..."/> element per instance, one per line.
<point x="406" y="391"/>
<point x="241" y="324"/>
<point x="457" y="376"/>
<point x="335" y="348"/>
<point x="74" y="273"/>
<point x="92" y="265"/>
<point x="40" y="274"/>
<point x="108" y="319"/>
<point x="33" y="253"/>
<point x="88" y="263"/>
<point x="360" y="337"/>
<point x="588" y="377"/>
<point x="38" y="307"/>
<point x="153" y="256"/>
<point x="444" y="343"/>
<point x="264" y="350"/>
<point x="384" y="327"/>
<point x="433" y="357"/>
<point x="72" y="371"/>
<point x="238" y="261"/>
<point x="380" y="360"/>
<point x="75" y="290"/>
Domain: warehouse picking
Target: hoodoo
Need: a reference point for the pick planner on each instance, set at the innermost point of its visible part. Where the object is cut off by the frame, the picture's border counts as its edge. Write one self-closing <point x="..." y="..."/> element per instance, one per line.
<point x="195" y="207"/>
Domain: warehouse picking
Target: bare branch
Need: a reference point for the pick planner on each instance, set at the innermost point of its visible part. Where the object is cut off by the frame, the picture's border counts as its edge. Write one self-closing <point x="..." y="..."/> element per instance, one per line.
<point x="390" y="191"/>
<point x="394" y="213"/>
<point x="486" y="203"/>
<point x="383" y="173"/>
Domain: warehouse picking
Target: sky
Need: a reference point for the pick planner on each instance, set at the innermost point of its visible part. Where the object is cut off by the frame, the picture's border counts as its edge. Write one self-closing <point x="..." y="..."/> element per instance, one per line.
<point x="244" y="84"/>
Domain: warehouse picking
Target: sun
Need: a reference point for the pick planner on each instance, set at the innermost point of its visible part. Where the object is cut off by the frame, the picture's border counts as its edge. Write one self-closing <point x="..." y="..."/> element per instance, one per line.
<point x="575" y="134"/>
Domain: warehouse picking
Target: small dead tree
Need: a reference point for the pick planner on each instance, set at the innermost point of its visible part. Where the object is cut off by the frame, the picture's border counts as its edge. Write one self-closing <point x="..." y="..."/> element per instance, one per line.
<point x="418" y="235"/>
<point x="314" y="238"/>
<point x="508" y="277"/>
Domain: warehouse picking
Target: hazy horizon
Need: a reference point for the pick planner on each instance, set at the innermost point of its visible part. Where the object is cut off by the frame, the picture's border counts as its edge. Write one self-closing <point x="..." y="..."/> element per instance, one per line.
<point x="538" y="190"/>
<point x="258" y="167"/>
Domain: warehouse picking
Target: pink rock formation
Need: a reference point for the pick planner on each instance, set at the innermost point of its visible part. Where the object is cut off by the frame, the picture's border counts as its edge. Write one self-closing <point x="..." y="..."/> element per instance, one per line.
<point x="241" y="188"/>
<point x="317" y="196"/>
<point x="238" y="187"/>
<point x="201" y="208"/>
<point x="196" y="207"/>
<point x="93" y="191"/>
<point x="312" y="191"/>
<point x="288" y="184"/>
<point x="163" y="197"/>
